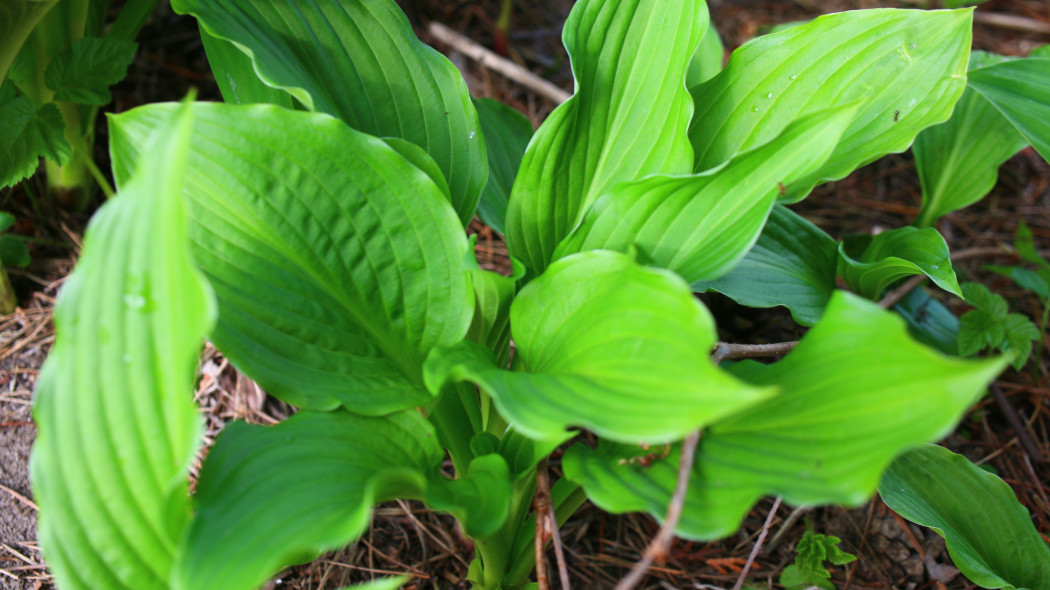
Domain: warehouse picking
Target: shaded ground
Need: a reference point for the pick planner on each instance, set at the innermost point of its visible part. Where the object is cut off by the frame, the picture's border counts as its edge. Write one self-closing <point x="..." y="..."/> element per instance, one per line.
<point x="408" y="538"/>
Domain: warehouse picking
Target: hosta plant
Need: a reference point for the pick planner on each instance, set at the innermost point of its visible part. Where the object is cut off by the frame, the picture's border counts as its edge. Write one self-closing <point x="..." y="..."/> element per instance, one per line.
<point x="313" y="229"/>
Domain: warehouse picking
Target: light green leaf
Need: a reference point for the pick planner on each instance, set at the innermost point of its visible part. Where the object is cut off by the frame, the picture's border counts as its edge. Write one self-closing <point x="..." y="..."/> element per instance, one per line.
<point x="792" y="264"/>
<point x="26" y="134"/>
<point x="701" y="226"/>
<point x="507" y="133"/>
<point x="361" y="62"/>
<point x="270" y="496"/>
<point x="707" y="60"/>
<point x="1020" y="89"/>
<point x="958" y="161"/>
<point x="235" y="74"/>
<point x="627" y="119"/>
<point x="929" y="321"/>
<point x="870" y="264"/>
<point x="117" y="425"/>
<point x="606" y="344"/>
<point x="836" y="425"/>
<point x="909" y="66"/>
<point x="18" y="18"/>
<point x="988" y="532"/>
<point x="493" y="295"/>
<point x="382" y="584"/>
<point x="84" y="72"/>
<point x="337" y="263"/>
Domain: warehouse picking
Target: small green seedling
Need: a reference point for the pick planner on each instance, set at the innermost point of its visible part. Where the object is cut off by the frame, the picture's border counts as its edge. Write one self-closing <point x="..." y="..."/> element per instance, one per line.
<point x="811" y="553"/>
<point x="13" y="253"/>
<point x="991" y="326"/>
<point x="1037" y="281"/>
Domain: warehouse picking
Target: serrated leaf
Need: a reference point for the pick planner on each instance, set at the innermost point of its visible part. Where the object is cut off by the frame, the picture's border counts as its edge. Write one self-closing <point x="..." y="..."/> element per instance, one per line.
<point x="1020" y="89"/>
<point x="269" y="496"/>
<point x="606" y="344"/>
<point x="826" y="438"/>
<point x="792" y="264"/>
<point x="958" y="161"/>
<point x="979" y="330"/>
<point x="361" y="62"/>
<point x="28" y="133"/>
<point x="700" y="226"/>
<point x="86" y="69"/>
<point x="983" y="299"/>
<point x="989" y="534"/>
<point x="1026" y="279"/>
<point x="794" y="578"/>
<point x="338" y="264"/>
<point x="1019" y="335"/>
<point x="626" y="120"/>
<point x="117" y="425"/>
<point x="909" y="66"/>
<point x="929" y="321"/>
<point x="507" y="133"/>
<point x="870" y="264"/>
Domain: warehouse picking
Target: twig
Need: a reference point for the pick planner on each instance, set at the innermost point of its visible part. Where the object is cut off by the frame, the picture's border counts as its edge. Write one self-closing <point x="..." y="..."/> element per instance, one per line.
<point x="1029" y="447"/>
<point x="758" y="545"/>
<point x="899" y="293"/>
<point x="726" y="350"/>
<point x="657" y="549"/>
<point x="785" y="527"/>
<point x="559" y="555"/>
<point x="20" y="497"/>
<point x="1009" y="21"/>
<point x="496" y="63"/>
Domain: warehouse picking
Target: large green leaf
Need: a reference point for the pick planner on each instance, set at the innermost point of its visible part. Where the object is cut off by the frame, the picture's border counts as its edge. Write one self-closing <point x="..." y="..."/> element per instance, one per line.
<point x="606" y="344"/>
<point x="1020" y="89"/>
<point x="337" y="263"/>
<point x="507" y="133"/>
<point x="909" y="66"/>
<point x="114" y="405"/>
<point x="854" y="393"/>
<point x="269" y="497"/>
<point x="989" y="533"/>
<point x="870" y="264"/>
<point x="792" y="264"/>
<point x="958" y="161"/>
<point x="701" y="226"/>
<point x="707" y="60"/>
<point x="627" y="119"/>
<point x="17" y="20"/>
<point x="361" y="62"/>
<point x="85" y="70"/>
<point x="27" y="133"/>
<point x="235" y="74"/>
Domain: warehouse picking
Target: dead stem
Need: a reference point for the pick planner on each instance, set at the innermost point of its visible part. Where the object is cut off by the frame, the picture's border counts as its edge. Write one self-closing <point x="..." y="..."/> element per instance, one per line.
<point x="758" y="544"/>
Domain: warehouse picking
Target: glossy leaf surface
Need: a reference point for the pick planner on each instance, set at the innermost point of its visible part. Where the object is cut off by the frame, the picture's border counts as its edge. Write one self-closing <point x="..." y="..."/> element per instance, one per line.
<point x="626" y="120"/>
<point x="958" y="161"/>
<point x="988" y="532"/>
<point x="360" y="62"/>
<point x="606" y="344"/>
<point x="908" y="65"/>
<point x="337" y="263"/>
<point x="235" y="74"/>
<point x="117" y="425"/>
<point x="827" y="437"/>
<point x="929" y="321"/>
<point x="701" y="226"/>
<point x="1020" y="89"/>
<point x="792" y="264"/>
<point x="870" y="264"/>
<point x="507" y="133"/>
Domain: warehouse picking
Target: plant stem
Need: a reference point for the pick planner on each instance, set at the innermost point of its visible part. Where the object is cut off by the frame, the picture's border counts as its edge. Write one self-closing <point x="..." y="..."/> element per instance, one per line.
<point x="8" y="301"/>
<point x="728" y="351"/>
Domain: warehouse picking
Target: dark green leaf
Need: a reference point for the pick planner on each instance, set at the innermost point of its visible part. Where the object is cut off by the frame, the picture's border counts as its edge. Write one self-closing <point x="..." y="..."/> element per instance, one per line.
<point x="18" y="18"/>
<point x="1025" y="245"/>
<point x="13" y="252"/>
<point x="989" y="533"/>
<point x="337" y="263"/>
<point x="507" y="133"/>
<point x="870" y="264"/>
<point x="84" y="72"/>
<point x="1027" y="279"/>
<point x="979" y="330"/>
<point x="792" y="264"/>
<point x="980" y="297"/>
<point x="361" y="62"/>
<point x="117" y="425"/>
<point x="6" y="221"/>
<point x="26" y="134"/>
<point x="235" y="74"/>
<point x="1020" y="89"/>
<point x="929" y="321"/>
<point x="1020" y="333"/>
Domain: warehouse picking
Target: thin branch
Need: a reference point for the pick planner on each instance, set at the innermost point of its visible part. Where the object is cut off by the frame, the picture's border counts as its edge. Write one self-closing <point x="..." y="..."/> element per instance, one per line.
<point x="1027" y="444"/>
<point x="785" y="527"/>
<point x="1009" y="21"/>
<point x="901" y="292"/>
<point x="20" y="497"/>
<point x="657" y="549"/>
<point x="758" y="545"/>
<point x="559" y="554"/>
<point x="497" y="63"/>
<point x="726" y="350"/>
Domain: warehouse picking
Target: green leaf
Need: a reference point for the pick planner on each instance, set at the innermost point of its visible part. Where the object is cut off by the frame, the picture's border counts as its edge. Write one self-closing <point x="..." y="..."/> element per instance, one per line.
<point x="1027" y="279"/>
<point x="507" y="133"/>
<point x="701" y="226"/>
<point x="117" y="425"/>
<point x="338" y="264"/>
<point x="794" y="578"/>
<point x="493" y="295"/>
<point x="908" y="65"/>
<point x="958" y="161"/>
<point x="870" y="264"/>
<point x="826" y="438"/>
<point x="979" y="330"/>
<point x="989" y="534"/>
<point x="84" y="72"/>
<point x="980" y="297"/>
<point x="382" y="584"/>
<point x="627" y="119"/>
<point x="270" y="496"/>
<point x="26" y="134"/>
<point x="1020" y="333"/>
<point x="361" y="62"/>
<point x="235" y="74"/>
<point x="1025" y="246"/>
<point x="6" y="221"/>
<point x="929" y="321"/>
<point x="18" y="18"/>
<point x="606" y="344"/>
<point x="792" y="264"/>
<point x="707" y="60"/>
<point x="13" y="252"/>
<point x="1020" y="89"/>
